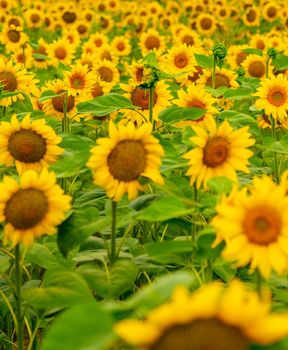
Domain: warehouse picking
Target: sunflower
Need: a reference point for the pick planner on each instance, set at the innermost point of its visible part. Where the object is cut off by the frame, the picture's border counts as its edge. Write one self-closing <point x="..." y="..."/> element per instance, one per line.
<point x="117" y="162"/>
<point x="23" y="56"/>
<point x="60" y="51"/>
<point x="180" y="60"/>
<point x="236" y="55"/>
<point x="206" y="24"/>
<point x="82" y="28"/>
<point x="264" y="122"/>
<point x="251" y="17"/>
<point x="13" y="37"/>
<point x="152" y="40"/>
<point x="255" y="66"/>
<point x="218" y="152"/>
<point x="13" y="78"/>
<point x="98" y="40"/>
<point x="140" y="98"/>
<point x="108" y="73"/>
<point x="69" y="16"/>
<point x="79" y="81"/>
<point x="121" y="46"/>
<point x="33" y="207"/>
<point x="98" y="88"/>
<point x="31" y="145"/>
<point x="188" y="37"/>
<point x="106" y="52"/>
<point x="54" y="107"/>
<point x="223" y="77"/>
<point x="254" y="226"/>
<point x="213" y="317"/>
<point x="273" y="97"/>
<point x="88" y="59"/>
<point x="34" y="18"/>
<point x="17" y="21"/>
<point x="259" y="41"/>
<point x="196" y="97"/>
<point x="40" y="62"/>
<point x="270" y="11"/>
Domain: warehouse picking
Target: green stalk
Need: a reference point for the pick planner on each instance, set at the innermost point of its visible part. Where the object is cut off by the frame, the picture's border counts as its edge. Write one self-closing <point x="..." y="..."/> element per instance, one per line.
<point x="214" y="73"/>
<point x="65" y="129"/>
<point x="151" y="95"/>
<point x="267" y="67"/>
<point x="113" y="232"/>
<point x="18" y="297"/>
<point x="259" y="283"/>
<point x="273" y="126"/>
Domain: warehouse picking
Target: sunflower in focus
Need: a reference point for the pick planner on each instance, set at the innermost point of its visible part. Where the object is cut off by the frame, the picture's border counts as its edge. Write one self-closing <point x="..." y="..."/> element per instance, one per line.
<point x="31" y="145"/>
<point x="119" y="161"/>
<point x="255" y="66"/>
<point x="218" y="151"/>
<point x="180" y="60"/>
<point x="213" y="317"/>
<point x="33" y="207"/>
<point x="60" y="51"/>
<point x="254" y="226"/>
<point x="196" y="97"/>
<point x="152" y="40"/>
<point x="13" y="37"/>
<point x="13" y="78"/>
<point x="273" y="97"/>
<point x="140" y="98"/>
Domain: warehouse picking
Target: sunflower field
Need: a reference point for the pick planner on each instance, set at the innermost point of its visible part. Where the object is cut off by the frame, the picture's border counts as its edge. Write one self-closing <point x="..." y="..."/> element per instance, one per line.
<point x="143" y="175"/>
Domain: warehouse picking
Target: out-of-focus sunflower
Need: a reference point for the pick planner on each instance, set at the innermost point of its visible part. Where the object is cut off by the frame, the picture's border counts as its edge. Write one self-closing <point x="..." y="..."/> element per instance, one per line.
<point x="34" y="18"/>
<point x="106" y="22"/>
<point x="113" y="5"/>
<point x="23" y="56"/>
<point x="223" y="77"/>
<point x="17" y="21"/>
<point x="180" y="60"/>
<point x="264" y="122"/>
<point x="106" y="52"/>
<point x="13" y="37"/>
<point x="71" y="35"/>
<point x="270" y="11"/>
<point x="121" y="46"/>
<point x="13" y="78"/>
<point x="108" y="73"/>
<point x="140" y="98"/>
<point x="82" y="27"/>
<point x="88" y="59"/>
<point x="251" y="17"/>
<point x="79" y="81"/>
<point x="188" y="37"/>
<point x="98" y="39"/>
<point x="259" y="41"/>
<point x="31" y="145"/>
<point x="117" y="162"/>
<point x="60" y="51"/>
<point x="255" y="66"/>
<point x="69" y="16"/>
<point x="273" y="97"/>
<point x="206" y="24"/>
<point x="196" y="97"/>
<point x="236" y="55"/>
<point x="213" y="317"/>
<point x="254" y="226"/>
<point x="219" y="151"/>
<point x="152" y="40"/>
<point x="41" y="61"/>
<point x="33" y="207"/>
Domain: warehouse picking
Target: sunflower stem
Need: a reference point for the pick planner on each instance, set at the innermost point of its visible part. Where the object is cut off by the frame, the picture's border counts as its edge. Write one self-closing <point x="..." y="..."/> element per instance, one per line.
<point x="18" y="297"/>
<point x="273" y="128"/>
<point x="214" y="73"/>
<point x="259" y="283"/>
<point x="113" y="233"/>
<point x="267" y="67"/>
<point x="65" y="129"/>
<point x="151" y="95"/>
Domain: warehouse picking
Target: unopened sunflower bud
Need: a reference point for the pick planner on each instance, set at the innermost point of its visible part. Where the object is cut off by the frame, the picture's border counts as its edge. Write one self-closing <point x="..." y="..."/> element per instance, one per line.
<point x="272" y="53"/>
<point x="219" y="51"/>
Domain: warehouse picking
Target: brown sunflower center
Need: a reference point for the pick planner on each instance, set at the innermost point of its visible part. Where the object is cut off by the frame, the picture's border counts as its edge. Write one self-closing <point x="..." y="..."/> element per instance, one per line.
<point x="35" y="18"/>
<point x="220" y="80"/>
<point x="188" y="40"/>
<point x="262" y="224"/>
<point x="106" y="55"/>
<point x="26" y="208"/>
<point x="14" y="21"/>
<point x="140" y="98"/>
<point x="194" y="77"/>
<point x="13" y="35"/>
<point x="241" y="56"/>
<point x="152" y="42"/>
<point x="271" y="12"/>
<point x="97" y="90"/>
<point x="58" y="102"/>
<point x="60" y="53"/>
<point x="82" y="28"/>
<point x="256" y="69"/>
<point x="276" y="97"/>
<point x="27" y="146"/>
<point x="260" y="45"/>
<point x="69" y="17"/>
<point x="251" y="15"/>
<point x="181" y="60"/>
<point x="127" y="161"/>
<point x="77" y="81"/>
<point x="139" y="74"/>
<point x="206" y="23"/>
<point x="8" y="80"/>
<point x="4" y="4"/>
<point x="216" y="151"/>
<point x="98" y="42"/>
<point x="106" y="74"/>
<point x="209" y="334"/>
<point x="120" y="46"/>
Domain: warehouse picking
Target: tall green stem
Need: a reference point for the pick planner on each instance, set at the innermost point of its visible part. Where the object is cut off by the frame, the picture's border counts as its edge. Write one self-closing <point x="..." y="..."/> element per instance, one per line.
<point x="259" y="283"/>
<point x="214" y="74"/>
<point x="151" y="97"/>
<point x="113" y="232"/>
<point x="65" y="129"/>
<point x="18" y="296"/>
<point x="267" y="67"/>
<point x="273" y="127"/>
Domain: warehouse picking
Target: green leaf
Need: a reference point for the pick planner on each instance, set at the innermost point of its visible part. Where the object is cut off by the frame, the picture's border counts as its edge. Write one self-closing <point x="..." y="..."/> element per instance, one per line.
<point x="83" y="327"/>
<point x="253" y="51"/>
<point x="204" y="61"/>
<point x="220" y="184"/>
<point x="38" y="56"/>
<point x="75" y="157"/>
<point x="112" y="282"/>
<point x="103" y="105"/>
<point x="77" y="228"/>
<point x="9" y="94"/>
<point x="224" y="270"/>
<point x="281" y="62"/>
<point x="238" y="94"/>
<point x="48" y="95"/>
<point x="40" y="255"/>
<point x="173" y="115"/>
<point x="150" y="59"/>
<point x="166" y="208"/>
<point x="62" y="66"/>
